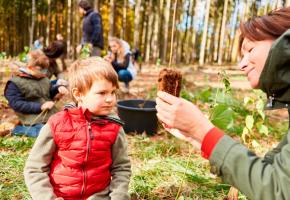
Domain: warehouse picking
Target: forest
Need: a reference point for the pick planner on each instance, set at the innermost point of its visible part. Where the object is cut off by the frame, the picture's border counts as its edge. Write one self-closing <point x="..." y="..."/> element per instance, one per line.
<point x="199" y="39"/>
<point x="204" y="31"/>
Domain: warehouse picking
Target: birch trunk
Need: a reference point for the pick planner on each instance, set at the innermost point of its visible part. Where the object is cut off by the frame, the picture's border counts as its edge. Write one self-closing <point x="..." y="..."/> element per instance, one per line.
<point x="31" y="30"/>
<point x="204" y="34"/>
<point x="222" y="35"/>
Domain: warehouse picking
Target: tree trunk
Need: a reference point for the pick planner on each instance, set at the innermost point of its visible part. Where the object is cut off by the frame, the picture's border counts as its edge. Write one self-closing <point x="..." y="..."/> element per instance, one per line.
<point x="156" y="31"/>
<point x="144" y="29"/>
<point x="33" y="13"/>
<point x="112" y="18"/>
<point x="69" y="26"/>
<point x="222" y="34"/>
<point x="124" y="20"/>
<point x="287" y="3"/>
<point x="165" y="29"/>
<point x="204" y="34"/>
<point x="149" y="34"/>
<point x="136" y="24"/>
<point x="216" y="37"/>
<point x="96" y="5"/>
<point x="266" y="7"/>
<point x="48" y="22"/>
<point x="184" y="42"/>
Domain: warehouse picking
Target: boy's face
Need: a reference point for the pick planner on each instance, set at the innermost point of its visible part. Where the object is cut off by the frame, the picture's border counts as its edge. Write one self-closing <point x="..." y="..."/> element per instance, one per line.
<point x="100" y="99"/>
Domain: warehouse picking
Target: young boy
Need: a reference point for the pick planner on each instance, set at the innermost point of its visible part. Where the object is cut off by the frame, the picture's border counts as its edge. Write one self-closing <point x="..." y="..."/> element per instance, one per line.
<point x="30" y="94"/>
<point x="81" y="152"/>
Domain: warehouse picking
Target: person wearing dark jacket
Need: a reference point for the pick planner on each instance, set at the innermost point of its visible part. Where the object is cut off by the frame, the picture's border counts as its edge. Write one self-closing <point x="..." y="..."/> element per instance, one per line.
<point x="265" y="50"/>
<point x="30" y="93"/>
<point x="92" y="29"/>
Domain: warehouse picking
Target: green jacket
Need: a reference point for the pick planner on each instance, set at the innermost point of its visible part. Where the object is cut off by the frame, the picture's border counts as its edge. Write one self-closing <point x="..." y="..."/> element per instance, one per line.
<point x="266" y="178"/>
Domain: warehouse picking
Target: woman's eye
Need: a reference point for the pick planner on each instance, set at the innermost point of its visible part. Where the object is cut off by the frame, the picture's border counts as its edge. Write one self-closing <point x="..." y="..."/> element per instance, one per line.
<point x="101" y="93"/>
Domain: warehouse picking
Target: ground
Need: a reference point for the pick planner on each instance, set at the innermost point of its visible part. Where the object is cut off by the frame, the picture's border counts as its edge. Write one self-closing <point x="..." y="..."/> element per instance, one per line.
<point x="162" y="166"/>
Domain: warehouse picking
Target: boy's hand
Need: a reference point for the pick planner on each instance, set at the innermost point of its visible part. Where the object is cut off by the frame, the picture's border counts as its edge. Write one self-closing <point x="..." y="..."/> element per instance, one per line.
<point x="62" y="90"/>
<point x="47" y="105"/>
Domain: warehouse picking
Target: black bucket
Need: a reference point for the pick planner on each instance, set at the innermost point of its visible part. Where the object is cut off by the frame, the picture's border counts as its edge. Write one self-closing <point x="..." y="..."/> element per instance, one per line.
<point x="139" y="115"/>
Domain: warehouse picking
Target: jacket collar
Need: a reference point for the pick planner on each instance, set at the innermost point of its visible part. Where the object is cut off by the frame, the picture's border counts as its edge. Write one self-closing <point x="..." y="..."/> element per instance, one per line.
<point x="88" y="12"/>
<point x="275" y="77"/>
<point x="85" y="115"/>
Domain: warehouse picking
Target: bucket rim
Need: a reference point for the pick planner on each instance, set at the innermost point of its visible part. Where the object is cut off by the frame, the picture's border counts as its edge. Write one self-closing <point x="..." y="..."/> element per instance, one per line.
<point x="135" y="108"/>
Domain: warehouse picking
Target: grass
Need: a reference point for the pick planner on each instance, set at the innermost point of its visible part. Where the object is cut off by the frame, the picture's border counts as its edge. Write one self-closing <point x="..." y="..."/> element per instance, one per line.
<point x="163" y="165"/>
<point x="13" y="153"/>
<point x="160" y="168"/>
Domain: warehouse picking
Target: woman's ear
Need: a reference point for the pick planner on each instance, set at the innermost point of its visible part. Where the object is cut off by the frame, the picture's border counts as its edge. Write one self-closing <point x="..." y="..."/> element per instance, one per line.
<point x="76" y="94"/>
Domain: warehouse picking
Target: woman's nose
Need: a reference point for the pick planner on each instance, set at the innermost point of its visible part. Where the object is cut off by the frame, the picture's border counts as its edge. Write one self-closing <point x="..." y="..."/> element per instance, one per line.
<point x="244" y="62"/>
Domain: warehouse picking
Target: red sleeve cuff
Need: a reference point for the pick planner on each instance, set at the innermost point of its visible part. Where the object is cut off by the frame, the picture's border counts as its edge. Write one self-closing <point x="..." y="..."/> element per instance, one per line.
<point x="210" y="140"/>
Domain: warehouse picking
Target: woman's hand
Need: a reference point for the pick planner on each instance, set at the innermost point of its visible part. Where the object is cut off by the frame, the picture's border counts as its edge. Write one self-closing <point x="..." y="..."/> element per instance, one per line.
<point x="178" y="113"/>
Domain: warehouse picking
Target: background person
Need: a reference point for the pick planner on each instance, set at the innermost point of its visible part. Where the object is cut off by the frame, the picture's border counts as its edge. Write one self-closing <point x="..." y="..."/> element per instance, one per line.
<point x="63" y="56"/>
<point x="265" y="49"/>
<point x="30" y="94"/>
<point x="120" y="58"/>
<point x="92" y="29"/>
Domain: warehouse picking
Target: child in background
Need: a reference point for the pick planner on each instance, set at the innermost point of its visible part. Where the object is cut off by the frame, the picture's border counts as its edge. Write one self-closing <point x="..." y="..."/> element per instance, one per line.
<point x="81" y="152"/>
<point x="29" y="94"/>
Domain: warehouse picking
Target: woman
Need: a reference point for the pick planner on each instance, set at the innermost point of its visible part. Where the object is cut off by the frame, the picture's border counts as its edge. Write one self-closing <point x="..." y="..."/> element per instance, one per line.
<point x="265" y="50"/>
<point x="54" y="51"/>
<point x="120" y="59"/>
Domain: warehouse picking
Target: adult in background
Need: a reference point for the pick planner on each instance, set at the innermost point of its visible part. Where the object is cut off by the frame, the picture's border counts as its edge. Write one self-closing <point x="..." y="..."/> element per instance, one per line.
<point x="265" y="50"/>
<point x="120" y="58"/>
<point x="62" y="57"/>
<point x="54" y="51"/>
<point x="92" y="29"/>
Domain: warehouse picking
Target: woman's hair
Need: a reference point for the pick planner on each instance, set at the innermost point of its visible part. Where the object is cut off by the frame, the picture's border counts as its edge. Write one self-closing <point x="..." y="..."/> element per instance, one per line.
<point x="270" y="26"/>
<point x="121" y="50"/>
<point x="37" y="58"/>
<point x="55" y="49"/>
<point x="84" y="4"/>
<point x="82" y="73"/>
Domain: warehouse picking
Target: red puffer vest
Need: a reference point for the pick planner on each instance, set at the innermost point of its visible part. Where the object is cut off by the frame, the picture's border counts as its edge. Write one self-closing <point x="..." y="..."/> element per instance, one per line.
<point x="82" y="160"/>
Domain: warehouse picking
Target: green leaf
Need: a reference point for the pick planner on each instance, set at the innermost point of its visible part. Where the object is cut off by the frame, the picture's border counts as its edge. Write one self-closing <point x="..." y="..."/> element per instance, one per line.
<point x="263" y="129"/>
<point x="249" y="122"/>
<point x="260" y="108"/>
<point x="260" y="105"/>
<point x="245" y="134"/>
<point x="247" y="100"/>
<point x="222" y="116"/>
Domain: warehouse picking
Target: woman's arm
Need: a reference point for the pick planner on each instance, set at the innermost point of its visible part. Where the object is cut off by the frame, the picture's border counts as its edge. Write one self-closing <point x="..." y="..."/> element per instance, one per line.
<point x="37" y="166"/>
<point x="121" y="65"/>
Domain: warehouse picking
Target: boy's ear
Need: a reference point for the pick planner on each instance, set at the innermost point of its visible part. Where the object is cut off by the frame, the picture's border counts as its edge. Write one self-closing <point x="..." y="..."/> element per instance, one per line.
<point x="76" y="94"/>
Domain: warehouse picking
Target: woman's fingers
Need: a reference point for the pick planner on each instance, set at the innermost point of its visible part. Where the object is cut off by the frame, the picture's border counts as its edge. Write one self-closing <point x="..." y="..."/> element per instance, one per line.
<point x="170" y="99"/>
